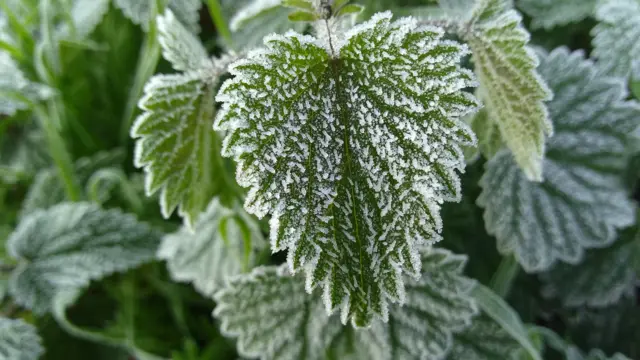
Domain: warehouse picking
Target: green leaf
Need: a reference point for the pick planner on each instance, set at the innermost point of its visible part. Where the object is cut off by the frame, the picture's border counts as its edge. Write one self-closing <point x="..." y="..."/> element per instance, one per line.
<point x="512" y="91"/>
<point x="274" y="318"/>
<point x="351" y="152"/>
<point x="139" y="12"/>
<point x="500" y="312"/>
<point x="583" y="199"/>
<point x="71" y="244"/>
<point x="16" y="91"/>
<point x="86" y="15"/>
<point x="548" y="14"/>
<point x="19" y="340"/>
<point x="601" y="279"/>
<point x="350" y="9"/>
<point x="488" y="133"/>
<point x="614" y="38"/>
<point x="175" y="143"/>
<point x="224" y="243"/>
<point x="484" y="340"/>
<point x="299" y="4"/>
<point x="302" y="16"/>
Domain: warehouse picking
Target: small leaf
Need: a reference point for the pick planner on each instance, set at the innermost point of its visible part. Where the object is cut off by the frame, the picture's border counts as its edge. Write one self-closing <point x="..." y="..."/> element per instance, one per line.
<point x="614" y="38"/>
<point x="601" y="279"/>
<point x="551" y="13"/>
<point x="488" y="133"/>
<point x="351" y="147"/>
<point x="139" y="12"/>
<point x="274" y="318"/>
<point x="16" y="91"/>
<point x="71" y="244"/>
<point x="302" y="16"/>
<point x="204" y="257"/>
<point x="179" y="46"/>
<point x="583" y="199"/>
<point x="299" y="4"/>
<point x="458" y="9"/>
<point x="350" y="9"/>
<point x="19" y="340"/>
<point x="484" y="340"/>
<point x="512" y="91"/>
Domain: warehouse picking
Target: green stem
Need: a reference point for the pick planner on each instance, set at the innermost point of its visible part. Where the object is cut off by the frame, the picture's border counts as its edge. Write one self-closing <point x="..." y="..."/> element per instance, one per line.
<point x="58" y="150"/>
<point x="504" y="277"/>
<point x="147" y="63"/>
<point x="215" y="10"/>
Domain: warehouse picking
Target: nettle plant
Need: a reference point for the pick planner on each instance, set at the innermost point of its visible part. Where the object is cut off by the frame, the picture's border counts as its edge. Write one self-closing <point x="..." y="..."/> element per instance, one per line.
<point x="413" y="180"/>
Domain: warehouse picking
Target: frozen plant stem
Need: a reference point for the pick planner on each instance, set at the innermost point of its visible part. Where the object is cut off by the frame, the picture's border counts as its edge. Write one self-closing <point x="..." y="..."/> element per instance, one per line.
<point x="215" y="10"/>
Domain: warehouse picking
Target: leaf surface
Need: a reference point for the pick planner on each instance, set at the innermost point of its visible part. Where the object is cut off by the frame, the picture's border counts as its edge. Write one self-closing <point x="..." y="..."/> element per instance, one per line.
<point x="548" y="14"/>
<point x="16" y="91"/>
<point x="19" y="340"/>
<point x="139" y="12"/>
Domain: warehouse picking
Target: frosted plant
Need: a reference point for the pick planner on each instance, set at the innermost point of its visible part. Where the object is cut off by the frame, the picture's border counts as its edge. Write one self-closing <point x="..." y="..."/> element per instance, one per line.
<point x="601" y="279"/>
<point x="583" y="199"/>
<point x="274" y="318"/>
<point x="574" y="353"/>
<point x="351" y="144"/>
<point x="176" y="146"/>
<point x="86" y="15"/>
<point x="483" y="340"/>
<point x="71" y="244"/>
<point x="223" y="243"/>
<point x="140" y="11"/>
<point x="512" y="91"/>
<point x="615" y="37"/>
<point x="19" y="340"/>
<point x="488" y="133"/>
<point x="16" y="91"/>
<point x="550" y="13"/>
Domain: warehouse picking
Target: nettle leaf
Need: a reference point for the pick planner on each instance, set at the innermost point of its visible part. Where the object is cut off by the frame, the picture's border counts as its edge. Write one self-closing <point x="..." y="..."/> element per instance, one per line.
<point x="224" y="243"/>
<point x="583" y="199"/>
<point x="176" y="146"/>
<point x="573" y="353"/>
<point x="273" y="318"/>
<point x="16" y="91"/>
<point x="488" y="133"/>
<point x="484" y="340"/>
<point x="548" y="14"/>
<point x="601" y="279"/>
<point x="510" y="87"/>
<point x="71" y="244"/>
<point x="19" y="340"/>
<point x="352" y="151"/>
<point x="140" y="12"/>
<point x="614" y="38"/>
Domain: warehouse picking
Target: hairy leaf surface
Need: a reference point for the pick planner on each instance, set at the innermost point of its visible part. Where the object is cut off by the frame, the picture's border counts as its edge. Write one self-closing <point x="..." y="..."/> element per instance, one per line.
<point x="483" y="340"/>
<point x="601" y="279"/>
<point x="176" y="146"/>
<point x="274" y="318"/>
<point x="223" y="243"/>
<point x="19" y="340"/>
<point x="16" y="91"/>
<point x="615" y="37"/>
<point x="551" y="13"/>
<point x="140" y="11"/>
<point x="351" y="146"/>
<point x="510" y="87"/>
<point x="488" y="133"/>
<point x="71" y="244"/>
<point x="583" y="199"/>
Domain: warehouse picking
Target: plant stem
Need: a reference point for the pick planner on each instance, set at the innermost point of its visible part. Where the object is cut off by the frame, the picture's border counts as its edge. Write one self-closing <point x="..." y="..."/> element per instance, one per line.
<point x="58" y="150"/>
<point x="147" y="63"/>
<point x="215" y="10"/>
<point x="504" y="277"/>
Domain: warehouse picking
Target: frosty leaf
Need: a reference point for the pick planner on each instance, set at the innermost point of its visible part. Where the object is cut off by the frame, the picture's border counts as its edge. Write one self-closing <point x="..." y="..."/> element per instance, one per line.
<point x="275" y="319"/>
<point x="19" y="340"/>
<point x="573" y="353"/>
<point x="352" y="153"/>
<point x="489" y="139"/>
<point x="601" y="279"/>
<point x="140" y="12"/>
<point x="71" y="244"/>
<point x="86" y="15"/>
<point x="512" y="91"/>
<point x="615" y="37"/>
<point x="583" y="200"/>
<point x="484" y="340"/>
<point x="16" y="91"/>
<point x="176" y="145"/>
<point x="550" y="13"/>
<point x="223" y="243"/>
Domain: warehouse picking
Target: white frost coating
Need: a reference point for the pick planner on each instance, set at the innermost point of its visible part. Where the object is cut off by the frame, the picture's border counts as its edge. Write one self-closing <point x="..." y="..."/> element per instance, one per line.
<point x="583" y="199"/>
<point x="548" y="14"/>
<point x="19" y="340"/>
<point x="274" y="318"/>
<point x="251" y="11"/>
<point x="179" y="46"/>
<point x="351" y="154"/>
<point x="68" y="245"/>
<point x="615" y="38"/>
<point x="139" y="12"/>
<point x="206" y="256"/>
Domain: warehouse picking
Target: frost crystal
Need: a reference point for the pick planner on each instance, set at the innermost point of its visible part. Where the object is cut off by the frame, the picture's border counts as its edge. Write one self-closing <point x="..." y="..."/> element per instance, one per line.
<point x="215" y="250"/>
<point x="19" y="340"/>
<point x="550" y="13"/>
<point x="71" y="244"/>
<point x="351" y="146"/>
<point x="274" y="318"/>
<point x="510" y="87"/>
<point x="615" y="38"/>
<point x="583" y="199"/>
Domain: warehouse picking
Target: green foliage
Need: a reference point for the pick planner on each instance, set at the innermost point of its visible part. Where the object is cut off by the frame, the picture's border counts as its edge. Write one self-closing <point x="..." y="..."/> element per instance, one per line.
<point x="140" y="11"/>
<point x="484" y="340"/>
<point x="550" y="13"/>
<point x="19" y="341"/>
